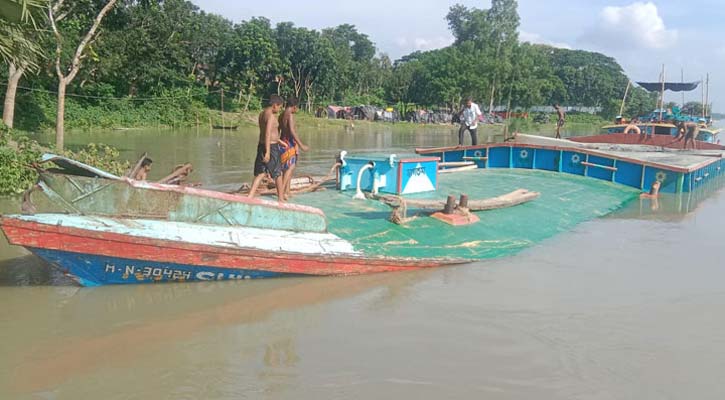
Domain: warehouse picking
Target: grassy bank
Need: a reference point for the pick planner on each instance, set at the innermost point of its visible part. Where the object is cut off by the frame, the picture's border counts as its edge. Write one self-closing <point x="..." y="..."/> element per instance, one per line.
<point x="35" y="112"/>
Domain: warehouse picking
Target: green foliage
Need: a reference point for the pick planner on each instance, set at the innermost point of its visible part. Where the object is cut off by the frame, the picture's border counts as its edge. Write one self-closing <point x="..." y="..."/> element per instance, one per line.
<point x="171" y="107"/>
<point x="590" y="79"/>
<point x="571" y="118"/>
<point x="692" y="108"/>
<point x="17" y="153"/>
<point x="18" y="23"/>
<point x="639" y="102"/>
<point x="100" y="156"/>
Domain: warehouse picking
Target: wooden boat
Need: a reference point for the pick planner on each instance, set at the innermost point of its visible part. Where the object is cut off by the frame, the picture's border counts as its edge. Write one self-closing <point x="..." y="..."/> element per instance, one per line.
<point x="662" y="134"/>
<point x="96" y="250"/>
<point x="707" y="140"/>
<point x="231" y="128"/>
<point x="102" y="229"/>
<point x="659" y="128"/>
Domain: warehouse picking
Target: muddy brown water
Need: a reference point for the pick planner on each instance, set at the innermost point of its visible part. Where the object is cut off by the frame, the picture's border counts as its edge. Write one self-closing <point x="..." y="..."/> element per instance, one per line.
<point x="624" y="307"/>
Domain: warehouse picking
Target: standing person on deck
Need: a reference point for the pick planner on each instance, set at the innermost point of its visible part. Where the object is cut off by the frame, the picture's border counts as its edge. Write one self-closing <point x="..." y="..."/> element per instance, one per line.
<point x="469" y="121"/>
<point x="288" y="136"/>
<point x="691" y="129"/>
<point x="269" y="148"/>
<point x="560" y="121"/>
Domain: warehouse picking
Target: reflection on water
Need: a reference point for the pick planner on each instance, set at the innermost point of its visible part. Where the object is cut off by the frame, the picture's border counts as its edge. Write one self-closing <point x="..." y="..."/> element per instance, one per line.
<point x="670" y="207"/>
<point x="116" y="327"/>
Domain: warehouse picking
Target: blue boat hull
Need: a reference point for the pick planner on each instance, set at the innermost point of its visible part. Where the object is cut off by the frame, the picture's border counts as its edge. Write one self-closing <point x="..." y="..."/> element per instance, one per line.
<point x="95" y="270"/>
<point x="629" y="172"/>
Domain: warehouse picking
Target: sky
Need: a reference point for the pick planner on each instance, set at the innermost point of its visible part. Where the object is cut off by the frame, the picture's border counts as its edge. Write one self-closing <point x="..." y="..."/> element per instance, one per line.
<point x="641" y="35"/>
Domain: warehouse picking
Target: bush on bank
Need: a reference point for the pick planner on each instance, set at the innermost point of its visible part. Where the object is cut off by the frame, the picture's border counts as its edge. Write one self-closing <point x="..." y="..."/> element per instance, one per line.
<point x="18" y="153"/>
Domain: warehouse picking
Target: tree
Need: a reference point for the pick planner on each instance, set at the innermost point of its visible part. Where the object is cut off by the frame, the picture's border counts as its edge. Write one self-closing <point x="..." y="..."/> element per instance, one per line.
<point x="56" y="12"/>
<point x="533" y="81"/>
<point x="354" y="64"/>
<point x="18" y="46"/>
<point x="250" y="57"/>
<point x="591" y="79"/>
<point x="398" y="87"/>
<point x="469" y="25"/>
<point x="309" y="58"/>
<point x="503" y="20"/>
<point x="493" y="33"/>
<point x="693" y="108"/>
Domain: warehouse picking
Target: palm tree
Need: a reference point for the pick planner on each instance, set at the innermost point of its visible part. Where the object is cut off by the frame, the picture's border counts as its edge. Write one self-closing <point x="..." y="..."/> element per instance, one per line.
<point x="16" y="18"/>
<point x="17" y="47"/>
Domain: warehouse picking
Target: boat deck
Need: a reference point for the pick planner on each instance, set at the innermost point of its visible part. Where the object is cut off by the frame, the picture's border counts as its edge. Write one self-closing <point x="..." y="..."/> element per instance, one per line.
<point x="565" y="201"/>
<point x="637" y="166"/>
<point x="648" y="140"/>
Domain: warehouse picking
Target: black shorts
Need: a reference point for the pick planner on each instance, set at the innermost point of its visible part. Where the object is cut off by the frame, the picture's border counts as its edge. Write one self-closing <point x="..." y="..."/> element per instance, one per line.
<point x="273" y="167"/>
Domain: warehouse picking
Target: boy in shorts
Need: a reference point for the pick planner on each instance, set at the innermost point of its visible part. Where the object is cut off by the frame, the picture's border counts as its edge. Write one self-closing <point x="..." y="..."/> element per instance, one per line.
<point x="269" y="149"/>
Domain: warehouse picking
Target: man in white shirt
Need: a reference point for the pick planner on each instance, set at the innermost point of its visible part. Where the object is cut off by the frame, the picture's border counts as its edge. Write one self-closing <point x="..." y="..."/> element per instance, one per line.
<point x="469" y="121"/>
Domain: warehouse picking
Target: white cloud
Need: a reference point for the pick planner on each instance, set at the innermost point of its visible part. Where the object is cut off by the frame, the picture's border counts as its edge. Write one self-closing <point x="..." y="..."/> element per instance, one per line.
<point x="636" y="26"/>
<point x="424" y="44"/>
<point x="536" y="38"/>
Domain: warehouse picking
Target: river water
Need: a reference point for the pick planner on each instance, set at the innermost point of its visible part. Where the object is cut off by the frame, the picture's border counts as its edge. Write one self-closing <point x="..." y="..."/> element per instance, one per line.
<point x="624" y="307"/>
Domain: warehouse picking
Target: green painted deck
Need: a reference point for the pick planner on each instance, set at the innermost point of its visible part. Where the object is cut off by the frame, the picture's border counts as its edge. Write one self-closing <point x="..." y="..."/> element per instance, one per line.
<point x="565" y="201"/>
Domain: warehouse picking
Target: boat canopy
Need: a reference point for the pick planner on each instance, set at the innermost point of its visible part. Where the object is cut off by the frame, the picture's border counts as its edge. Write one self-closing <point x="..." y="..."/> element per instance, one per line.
<point x="73" y="167"/>
<point x="672" y="86"/>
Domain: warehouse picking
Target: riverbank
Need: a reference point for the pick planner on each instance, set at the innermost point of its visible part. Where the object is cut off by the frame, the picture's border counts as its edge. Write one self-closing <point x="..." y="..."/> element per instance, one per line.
<point x="36" y="114"/>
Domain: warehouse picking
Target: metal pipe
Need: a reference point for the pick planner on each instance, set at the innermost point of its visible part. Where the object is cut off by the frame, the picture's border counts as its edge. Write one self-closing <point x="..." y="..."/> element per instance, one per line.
<point x="359" y="194"/>
<point x="450" y="205"/>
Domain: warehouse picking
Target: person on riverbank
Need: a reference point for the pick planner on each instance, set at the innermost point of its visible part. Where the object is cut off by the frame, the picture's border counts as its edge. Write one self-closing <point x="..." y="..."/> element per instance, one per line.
<point x="469" y="121"/>
<point x="560" y="121"/>
<point x="269" y="149"/>
<point x="288" y="136"/>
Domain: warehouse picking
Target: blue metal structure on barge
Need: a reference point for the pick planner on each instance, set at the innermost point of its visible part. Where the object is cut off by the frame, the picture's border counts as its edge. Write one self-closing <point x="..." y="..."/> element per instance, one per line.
<point x="634" y="166"/>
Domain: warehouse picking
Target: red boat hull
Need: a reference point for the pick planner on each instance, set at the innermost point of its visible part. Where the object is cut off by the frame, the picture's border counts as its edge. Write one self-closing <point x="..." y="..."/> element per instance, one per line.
<point x="97" y="258"/>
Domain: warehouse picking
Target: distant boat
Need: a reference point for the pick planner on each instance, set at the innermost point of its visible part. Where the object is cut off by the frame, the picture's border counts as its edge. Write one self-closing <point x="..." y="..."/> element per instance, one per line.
<point x="231" y="127"/>
<point x="660" y="131"/>
<point x="660" y="127"/>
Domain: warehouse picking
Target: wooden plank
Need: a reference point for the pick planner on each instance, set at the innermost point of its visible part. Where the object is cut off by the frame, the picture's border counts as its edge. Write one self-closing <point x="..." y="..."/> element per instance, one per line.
<point x="514" y="198"/>
<point x="459" y="169"/>
<point x="588" y="164"/>
<point x="456" y="164"/>
<point x="475" y="158"/>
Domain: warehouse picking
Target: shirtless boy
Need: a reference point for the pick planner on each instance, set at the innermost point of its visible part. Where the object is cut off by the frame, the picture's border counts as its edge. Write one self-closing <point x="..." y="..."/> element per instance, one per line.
<point x="268" y="149"/>
<point x="292" y="141"/>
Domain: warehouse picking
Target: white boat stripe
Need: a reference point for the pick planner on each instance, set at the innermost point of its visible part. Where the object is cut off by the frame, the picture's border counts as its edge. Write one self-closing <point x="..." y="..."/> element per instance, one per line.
<point x="222" y="236"/>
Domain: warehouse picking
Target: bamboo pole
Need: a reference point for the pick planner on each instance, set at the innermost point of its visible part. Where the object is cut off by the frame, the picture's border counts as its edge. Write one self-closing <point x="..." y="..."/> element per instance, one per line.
<point x="624" y="99"/>
<point x="682" y="79"/>
<point x="707" y="96"/>
<point x="702" y="102"/>
<point x="662" y="93"/>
